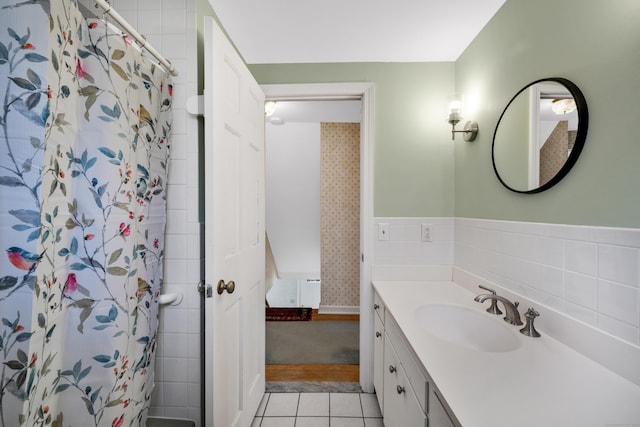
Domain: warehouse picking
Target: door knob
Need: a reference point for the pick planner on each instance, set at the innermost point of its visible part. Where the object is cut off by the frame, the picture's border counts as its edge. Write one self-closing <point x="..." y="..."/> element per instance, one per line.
<point x="229" y="287"/>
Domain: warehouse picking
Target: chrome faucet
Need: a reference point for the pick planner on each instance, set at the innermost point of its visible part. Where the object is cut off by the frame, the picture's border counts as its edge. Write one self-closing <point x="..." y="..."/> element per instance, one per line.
<point x="512" y="315"/>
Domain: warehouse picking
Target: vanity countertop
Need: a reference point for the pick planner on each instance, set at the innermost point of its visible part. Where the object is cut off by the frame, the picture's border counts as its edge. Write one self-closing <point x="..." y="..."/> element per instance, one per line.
<point x="541" y="383"/>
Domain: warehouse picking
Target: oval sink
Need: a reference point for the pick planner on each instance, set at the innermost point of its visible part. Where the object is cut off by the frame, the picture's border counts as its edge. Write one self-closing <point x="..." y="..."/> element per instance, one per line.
<point x="467" y="328"/>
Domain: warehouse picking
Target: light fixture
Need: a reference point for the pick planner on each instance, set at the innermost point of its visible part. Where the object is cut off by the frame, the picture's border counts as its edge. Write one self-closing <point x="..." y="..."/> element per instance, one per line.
<point x="269" y="108"/>
<point x="563" y="106"/>
<point x="470" y="129"/>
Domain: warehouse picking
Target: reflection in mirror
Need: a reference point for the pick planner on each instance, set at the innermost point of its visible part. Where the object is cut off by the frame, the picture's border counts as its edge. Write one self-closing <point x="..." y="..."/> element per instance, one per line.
<point x="540" y="135"/>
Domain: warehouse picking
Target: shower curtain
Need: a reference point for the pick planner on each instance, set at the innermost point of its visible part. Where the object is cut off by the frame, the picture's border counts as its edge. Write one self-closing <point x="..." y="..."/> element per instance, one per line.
<point x="84" y="147"/>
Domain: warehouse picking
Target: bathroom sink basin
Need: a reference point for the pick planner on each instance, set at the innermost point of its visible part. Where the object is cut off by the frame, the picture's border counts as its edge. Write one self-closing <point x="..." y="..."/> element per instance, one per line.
<point x="467" y="328"/>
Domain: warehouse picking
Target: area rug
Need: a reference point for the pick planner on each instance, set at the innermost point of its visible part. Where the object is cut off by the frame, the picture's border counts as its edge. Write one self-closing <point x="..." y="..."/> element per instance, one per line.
<point x="287" y="313"/>
<point x="324" y="341"/>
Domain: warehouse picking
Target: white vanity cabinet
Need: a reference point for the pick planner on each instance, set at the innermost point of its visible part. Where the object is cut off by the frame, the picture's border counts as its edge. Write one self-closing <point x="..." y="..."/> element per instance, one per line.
<point x="405" y="393"/>
<point x="378" y="362"/>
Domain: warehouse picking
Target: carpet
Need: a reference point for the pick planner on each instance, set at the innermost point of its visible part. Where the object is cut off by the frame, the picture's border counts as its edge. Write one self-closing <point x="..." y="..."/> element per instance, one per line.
<point x="287" y="313"/>
<point x="325" y="341"/>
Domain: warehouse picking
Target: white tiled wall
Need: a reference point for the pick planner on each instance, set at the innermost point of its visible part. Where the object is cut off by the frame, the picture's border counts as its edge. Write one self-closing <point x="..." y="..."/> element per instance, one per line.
<point x="170" y="26"/>
<point x="405" y="246"/>
<point x="591" y="274"/>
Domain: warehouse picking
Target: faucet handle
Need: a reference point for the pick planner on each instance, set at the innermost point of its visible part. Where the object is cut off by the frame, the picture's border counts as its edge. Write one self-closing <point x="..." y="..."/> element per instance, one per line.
<point x="493" y="308"/>
<point x="487" y="289"/>
<point x="529" y="330"/>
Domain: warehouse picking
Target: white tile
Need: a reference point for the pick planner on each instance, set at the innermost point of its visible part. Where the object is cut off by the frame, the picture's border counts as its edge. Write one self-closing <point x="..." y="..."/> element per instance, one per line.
<point x="175" y="370"/>
<point x="174" y="321"/>
<point x="282" y="405"/>
<point x="193" y="394"/>
<point x="347" y="422"/>
<point x="193" y="370"/>
<point x="278" y="422"/>
<point x="157" y="396"/>
<point x="174" y="45"/>
<point x="176" y="221"/>
<point x="176" y="411"/>
<point x="581" y="257"/>
<point x="312" y="422"/>
<point x="370" y="406"/>
<point x="551" y="301"/>
<point x="618" y="301"/>
<point x="193" y="342"/>
<point x="314" y="405"/>
<point x="176" y="196"/>
<point x="175" y="394"/>
<point x="121" y="5"/>
<point x="373" y="422"/>
<point x="581" y="313"/>
<point x="263" y="404"/>
<point x="173" y="21"/>
<point x="256" y="422"/>
<point x="151" y="23"/>
<point x="580" y="289"/>
<point x="175" y="345"/>
<point x="147" y="5"/>
<point x="345" y="405"/>
<point x="175" y="246"/>
<point x="177" y="172"/>
<point x="174" y="4"/>
<point x="552" y="252"/>
<point x="175" y="271"/>
<point x="619" y="329"/>
<point x="551" y="280"/>
<point x="618" y="264"/>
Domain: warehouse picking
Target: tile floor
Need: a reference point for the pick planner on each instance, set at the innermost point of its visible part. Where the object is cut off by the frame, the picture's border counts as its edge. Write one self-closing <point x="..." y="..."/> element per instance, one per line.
<point x="318" y="410"/>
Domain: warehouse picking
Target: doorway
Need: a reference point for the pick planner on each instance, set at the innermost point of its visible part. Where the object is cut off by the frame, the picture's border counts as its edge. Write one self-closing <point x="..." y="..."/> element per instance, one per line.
<point x="362" y="92"/>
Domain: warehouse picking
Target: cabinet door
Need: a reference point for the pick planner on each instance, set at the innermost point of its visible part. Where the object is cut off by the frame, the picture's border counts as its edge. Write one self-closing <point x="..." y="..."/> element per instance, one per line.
<point x="378" y="361"/>
<point x="401" y="408"/>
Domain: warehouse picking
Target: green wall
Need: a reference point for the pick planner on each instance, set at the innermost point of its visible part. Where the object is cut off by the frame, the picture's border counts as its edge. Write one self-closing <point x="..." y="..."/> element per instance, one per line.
<point x="418" y="171"/>
<point x="596" y="44"/>
<point x="413" y="151"/>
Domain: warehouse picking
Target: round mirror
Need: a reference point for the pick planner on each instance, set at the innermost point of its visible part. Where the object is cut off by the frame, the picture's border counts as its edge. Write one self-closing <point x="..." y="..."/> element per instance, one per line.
<point x="540" y="135"/>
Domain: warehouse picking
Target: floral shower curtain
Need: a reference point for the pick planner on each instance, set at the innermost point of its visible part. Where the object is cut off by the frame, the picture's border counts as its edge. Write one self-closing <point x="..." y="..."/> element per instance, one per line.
<point x="84" y="147"/>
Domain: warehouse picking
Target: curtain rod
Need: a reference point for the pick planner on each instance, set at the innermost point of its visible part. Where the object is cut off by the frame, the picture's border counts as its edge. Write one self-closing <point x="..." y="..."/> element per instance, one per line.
<point x="136" y="35"/>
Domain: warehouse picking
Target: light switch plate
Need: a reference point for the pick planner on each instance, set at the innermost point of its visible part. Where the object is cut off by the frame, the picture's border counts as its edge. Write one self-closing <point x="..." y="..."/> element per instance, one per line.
<point x="426" y="232"/>
<point x="383" y="231"/>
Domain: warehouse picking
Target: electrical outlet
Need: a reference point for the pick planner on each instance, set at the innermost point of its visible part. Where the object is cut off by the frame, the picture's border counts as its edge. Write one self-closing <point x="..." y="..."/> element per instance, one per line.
<point x="426" y="232"/>
<point x="383" y="231"/>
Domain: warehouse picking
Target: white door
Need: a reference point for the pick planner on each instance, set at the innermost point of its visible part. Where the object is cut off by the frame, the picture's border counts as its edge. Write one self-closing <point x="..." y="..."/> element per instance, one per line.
<point x="234" y="235"/>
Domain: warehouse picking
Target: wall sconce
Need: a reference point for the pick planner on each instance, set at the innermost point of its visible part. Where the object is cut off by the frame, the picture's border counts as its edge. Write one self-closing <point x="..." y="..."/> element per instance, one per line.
<point x="470" y="129"/>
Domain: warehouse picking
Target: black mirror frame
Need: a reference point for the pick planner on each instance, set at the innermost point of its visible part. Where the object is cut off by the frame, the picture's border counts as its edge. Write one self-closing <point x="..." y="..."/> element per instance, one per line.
<point x="581" y="135"/>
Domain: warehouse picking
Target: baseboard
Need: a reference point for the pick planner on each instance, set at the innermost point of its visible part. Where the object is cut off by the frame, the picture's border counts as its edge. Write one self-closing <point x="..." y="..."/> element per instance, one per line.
<point x="338" y="309"/>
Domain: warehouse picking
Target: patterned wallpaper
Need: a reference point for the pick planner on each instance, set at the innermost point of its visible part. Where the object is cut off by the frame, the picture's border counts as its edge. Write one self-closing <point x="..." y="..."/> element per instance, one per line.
<point x="554" y="152"/>
<point x="340" y="213"/>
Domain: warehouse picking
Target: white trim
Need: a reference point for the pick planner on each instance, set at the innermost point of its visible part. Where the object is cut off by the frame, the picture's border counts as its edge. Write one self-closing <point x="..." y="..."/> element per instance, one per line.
<point x="338" y="309"/>
<point x="365" y="92"/>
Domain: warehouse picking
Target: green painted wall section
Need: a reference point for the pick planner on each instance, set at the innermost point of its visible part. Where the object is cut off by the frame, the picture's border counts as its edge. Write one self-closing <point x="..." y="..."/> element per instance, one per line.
<point x="413" y="151"/>
<point x="596" y="44"/>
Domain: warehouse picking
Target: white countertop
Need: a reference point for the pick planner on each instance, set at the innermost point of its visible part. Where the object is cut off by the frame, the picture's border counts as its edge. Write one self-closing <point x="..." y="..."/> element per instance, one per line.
<point x="543" y="383"/>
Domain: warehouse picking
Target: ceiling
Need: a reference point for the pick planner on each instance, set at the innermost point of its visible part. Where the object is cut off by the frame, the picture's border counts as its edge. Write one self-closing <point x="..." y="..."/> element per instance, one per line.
<point x="304" y="31"/>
